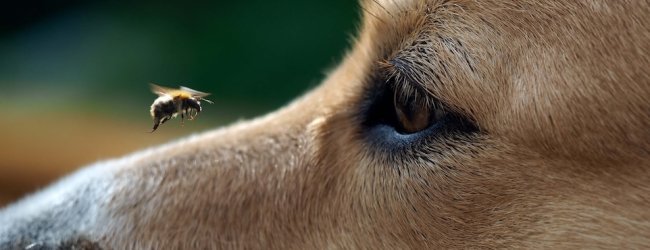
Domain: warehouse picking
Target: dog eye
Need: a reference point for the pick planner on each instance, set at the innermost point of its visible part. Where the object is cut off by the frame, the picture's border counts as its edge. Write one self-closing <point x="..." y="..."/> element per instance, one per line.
<point x="405" y="109"/>
<point x="396" y="115"/>
<point x="414" y="111"/>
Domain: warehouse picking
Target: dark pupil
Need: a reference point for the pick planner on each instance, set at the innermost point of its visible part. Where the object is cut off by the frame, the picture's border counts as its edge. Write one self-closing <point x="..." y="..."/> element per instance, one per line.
<point x="412" y="112"/>
<point x="406" y="113"/>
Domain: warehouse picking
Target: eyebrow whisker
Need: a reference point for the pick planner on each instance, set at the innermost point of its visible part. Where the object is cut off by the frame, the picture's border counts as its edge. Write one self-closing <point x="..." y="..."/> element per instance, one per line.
<point x="372" y="14"/>
<point x="384" y="8"/>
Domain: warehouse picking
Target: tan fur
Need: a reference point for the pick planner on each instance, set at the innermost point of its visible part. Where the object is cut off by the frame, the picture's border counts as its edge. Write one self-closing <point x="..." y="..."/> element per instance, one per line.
<point x="558" y="90"/>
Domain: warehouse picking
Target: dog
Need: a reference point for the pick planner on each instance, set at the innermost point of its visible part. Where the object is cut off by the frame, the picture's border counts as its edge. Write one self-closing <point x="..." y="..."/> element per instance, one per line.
<point x="448" y="124"/>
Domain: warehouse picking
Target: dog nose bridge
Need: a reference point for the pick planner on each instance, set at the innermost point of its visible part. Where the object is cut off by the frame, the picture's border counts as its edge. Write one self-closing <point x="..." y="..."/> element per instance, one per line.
<point x="280" y="140"/>
<point x="220" y="176"/>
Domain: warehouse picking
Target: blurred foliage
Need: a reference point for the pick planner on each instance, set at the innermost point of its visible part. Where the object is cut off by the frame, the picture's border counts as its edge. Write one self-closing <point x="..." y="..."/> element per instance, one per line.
<point x="251" y="54"/>
<point x="75" y="74"/>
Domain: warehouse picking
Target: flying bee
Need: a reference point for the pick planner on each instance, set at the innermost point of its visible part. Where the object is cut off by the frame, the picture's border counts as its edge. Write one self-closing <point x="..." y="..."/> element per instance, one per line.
<point x="171" y="102"/>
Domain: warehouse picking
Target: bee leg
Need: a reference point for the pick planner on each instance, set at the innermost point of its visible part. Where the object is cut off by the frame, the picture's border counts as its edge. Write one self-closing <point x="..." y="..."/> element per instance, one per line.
<point x="182" y="117"/>
<point x="196" y="112"/>
<point x="156" y="123"/>
<point x="155" y="126"/>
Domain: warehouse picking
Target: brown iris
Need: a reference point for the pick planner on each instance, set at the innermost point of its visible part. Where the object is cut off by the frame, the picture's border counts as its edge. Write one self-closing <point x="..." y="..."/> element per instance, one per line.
<point x="415" y="112"/>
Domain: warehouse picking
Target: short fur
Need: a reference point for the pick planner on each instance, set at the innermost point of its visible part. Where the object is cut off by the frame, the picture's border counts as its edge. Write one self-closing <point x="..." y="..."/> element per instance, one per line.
<point x="557" y="89"/>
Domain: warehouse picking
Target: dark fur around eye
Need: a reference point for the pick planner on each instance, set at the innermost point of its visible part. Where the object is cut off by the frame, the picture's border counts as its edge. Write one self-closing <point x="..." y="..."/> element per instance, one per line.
<point x="382" y="128"/>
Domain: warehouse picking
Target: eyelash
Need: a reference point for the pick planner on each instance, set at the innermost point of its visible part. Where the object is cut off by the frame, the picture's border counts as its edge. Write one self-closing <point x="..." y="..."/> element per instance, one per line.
<point x="406" y="90"/>
<point x="403" y="84"/>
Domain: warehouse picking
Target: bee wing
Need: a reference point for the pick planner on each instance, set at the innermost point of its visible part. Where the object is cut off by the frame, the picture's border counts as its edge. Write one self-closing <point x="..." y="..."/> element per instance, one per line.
<point x="195" y="93"/>
<point x="159" y="90"/>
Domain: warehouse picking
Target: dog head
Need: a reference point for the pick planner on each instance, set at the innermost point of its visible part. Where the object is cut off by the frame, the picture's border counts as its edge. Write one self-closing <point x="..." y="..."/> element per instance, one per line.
<point x="448" y="124"/>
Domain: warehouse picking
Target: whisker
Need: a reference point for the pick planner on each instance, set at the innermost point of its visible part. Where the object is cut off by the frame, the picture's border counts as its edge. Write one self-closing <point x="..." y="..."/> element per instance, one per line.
<point x="370" y="13"/>
<point x="384" y="8"/>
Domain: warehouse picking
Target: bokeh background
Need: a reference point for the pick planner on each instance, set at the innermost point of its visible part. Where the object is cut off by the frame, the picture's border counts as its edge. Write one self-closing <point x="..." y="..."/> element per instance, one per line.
<point x="74" y="74"/>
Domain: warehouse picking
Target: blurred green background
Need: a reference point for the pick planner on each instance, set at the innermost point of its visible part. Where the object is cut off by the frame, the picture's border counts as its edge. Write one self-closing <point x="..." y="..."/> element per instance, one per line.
<point x="74" y="74"/>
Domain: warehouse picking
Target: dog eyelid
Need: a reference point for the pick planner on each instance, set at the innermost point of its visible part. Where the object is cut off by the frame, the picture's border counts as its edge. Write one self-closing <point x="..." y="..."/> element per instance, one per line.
<point x="402" y="75"/>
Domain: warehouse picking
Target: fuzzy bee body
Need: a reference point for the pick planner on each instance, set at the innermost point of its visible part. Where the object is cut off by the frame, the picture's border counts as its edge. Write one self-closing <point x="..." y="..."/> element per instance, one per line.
<point x="172" y="102"/>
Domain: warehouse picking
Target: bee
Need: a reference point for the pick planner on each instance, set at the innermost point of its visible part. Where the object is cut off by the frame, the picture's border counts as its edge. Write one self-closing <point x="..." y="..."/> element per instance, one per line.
<point x="171" y="102"/>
